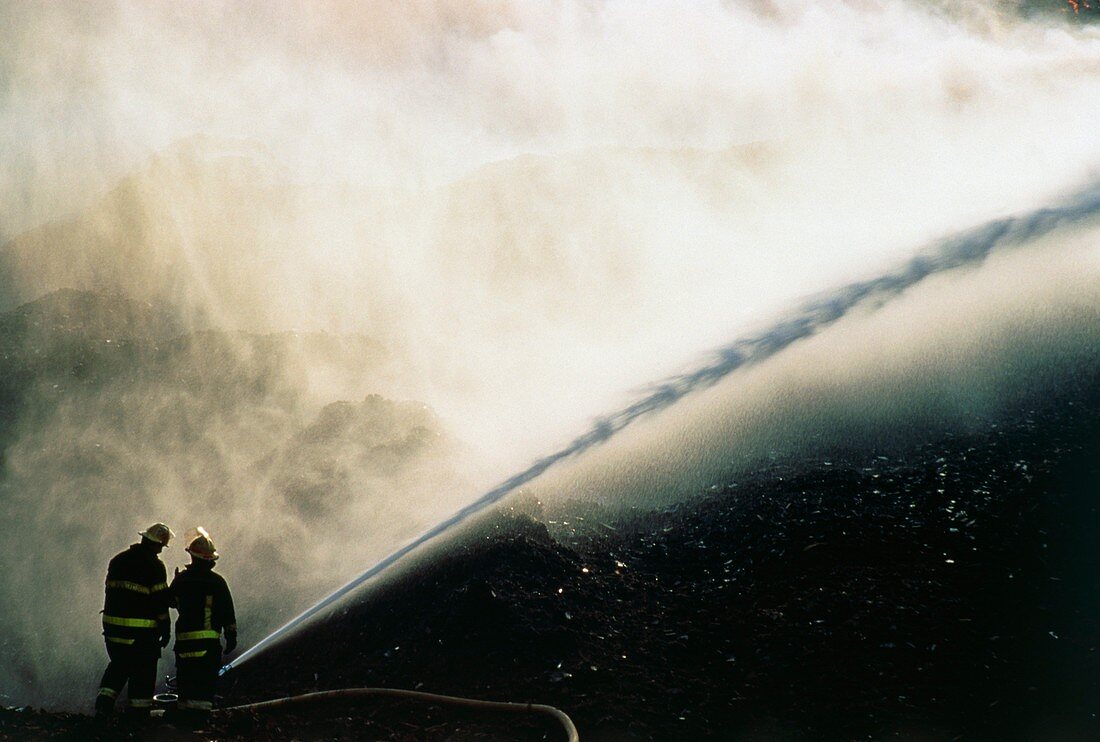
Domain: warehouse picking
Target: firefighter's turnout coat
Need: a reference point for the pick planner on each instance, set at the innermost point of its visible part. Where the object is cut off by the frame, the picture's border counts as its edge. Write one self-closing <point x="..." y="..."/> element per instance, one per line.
<point x="135" y="624"/>
<point x="205" y="608"/>
<point x="135" y="606"/>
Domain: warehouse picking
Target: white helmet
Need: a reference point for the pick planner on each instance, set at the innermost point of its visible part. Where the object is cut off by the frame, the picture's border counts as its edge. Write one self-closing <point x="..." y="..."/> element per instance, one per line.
<point x="159" y="533"/>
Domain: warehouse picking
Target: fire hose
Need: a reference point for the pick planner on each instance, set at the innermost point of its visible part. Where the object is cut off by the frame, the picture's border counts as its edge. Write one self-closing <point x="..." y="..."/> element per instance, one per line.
<point x="472" y="703"/>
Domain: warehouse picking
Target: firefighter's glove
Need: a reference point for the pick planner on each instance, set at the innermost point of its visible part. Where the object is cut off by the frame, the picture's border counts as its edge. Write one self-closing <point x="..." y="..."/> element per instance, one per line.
<point x="230" y="643"/>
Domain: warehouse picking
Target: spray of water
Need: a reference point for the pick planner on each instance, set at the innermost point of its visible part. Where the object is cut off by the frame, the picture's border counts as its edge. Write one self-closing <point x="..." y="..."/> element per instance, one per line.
<point x="225" y="226"/>
<point x="954" y="252"/>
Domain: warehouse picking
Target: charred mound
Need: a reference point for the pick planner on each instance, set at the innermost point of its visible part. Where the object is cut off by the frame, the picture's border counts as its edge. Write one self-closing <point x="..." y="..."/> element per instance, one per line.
<point x="945" y="590"/>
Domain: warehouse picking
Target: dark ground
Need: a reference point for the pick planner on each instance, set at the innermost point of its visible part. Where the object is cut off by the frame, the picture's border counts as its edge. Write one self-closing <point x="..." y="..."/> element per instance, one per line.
<point x="948" y="591"/>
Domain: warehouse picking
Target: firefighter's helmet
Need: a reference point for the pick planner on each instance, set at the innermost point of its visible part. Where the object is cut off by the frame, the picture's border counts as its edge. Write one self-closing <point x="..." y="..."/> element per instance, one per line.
<point x="159" y="533"/>
<point x="202" y="546"/>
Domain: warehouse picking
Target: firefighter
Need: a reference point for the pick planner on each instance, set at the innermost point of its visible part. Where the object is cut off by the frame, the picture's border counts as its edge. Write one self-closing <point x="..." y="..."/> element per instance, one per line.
<point x="135" y="623"/>
<point x="205" y="611"/>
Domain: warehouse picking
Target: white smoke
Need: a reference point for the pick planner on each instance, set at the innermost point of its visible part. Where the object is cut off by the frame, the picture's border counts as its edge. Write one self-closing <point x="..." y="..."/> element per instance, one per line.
<point x="529" y="208"/>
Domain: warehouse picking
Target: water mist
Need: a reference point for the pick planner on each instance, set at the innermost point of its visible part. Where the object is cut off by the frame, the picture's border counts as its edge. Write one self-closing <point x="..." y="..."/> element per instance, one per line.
<point x="319" y="276"/>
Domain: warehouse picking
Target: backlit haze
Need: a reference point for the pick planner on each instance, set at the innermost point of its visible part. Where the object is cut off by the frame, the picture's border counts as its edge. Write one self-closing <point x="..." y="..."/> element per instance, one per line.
<point x="503" y="219"/>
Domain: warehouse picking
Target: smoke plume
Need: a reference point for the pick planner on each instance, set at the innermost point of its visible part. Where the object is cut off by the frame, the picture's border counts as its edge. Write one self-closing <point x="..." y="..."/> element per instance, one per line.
<point x="315" y="276"/>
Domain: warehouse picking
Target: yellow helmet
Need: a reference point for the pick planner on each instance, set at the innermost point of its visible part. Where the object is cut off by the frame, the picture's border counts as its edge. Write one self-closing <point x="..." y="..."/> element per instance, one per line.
<point x="202" y="546"/>
<point x="158" y="532"/>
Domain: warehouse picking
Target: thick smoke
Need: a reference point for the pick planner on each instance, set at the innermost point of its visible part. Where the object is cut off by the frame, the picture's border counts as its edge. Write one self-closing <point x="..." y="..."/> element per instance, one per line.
<point x="223" y="226"/>
<point x="513" y="179"/>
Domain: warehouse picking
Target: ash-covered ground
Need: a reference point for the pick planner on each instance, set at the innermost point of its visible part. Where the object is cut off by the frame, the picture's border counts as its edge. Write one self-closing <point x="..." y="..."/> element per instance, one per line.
<point x="948" y="590"/>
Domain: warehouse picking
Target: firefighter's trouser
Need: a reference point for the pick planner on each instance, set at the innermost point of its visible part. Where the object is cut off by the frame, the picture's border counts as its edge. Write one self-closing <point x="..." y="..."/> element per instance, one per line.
<point x="196" y="676"/>
<point x="134" y="664"/>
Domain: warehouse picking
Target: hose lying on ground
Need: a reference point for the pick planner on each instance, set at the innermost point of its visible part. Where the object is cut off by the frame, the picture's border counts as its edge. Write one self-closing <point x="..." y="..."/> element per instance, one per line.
<point x="561" y="716"/>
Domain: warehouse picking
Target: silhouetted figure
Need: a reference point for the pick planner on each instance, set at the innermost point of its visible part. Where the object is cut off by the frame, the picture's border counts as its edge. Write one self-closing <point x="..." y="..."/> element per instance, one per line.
<point x="205" y="608"/>
<point x="135" y="623"/>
